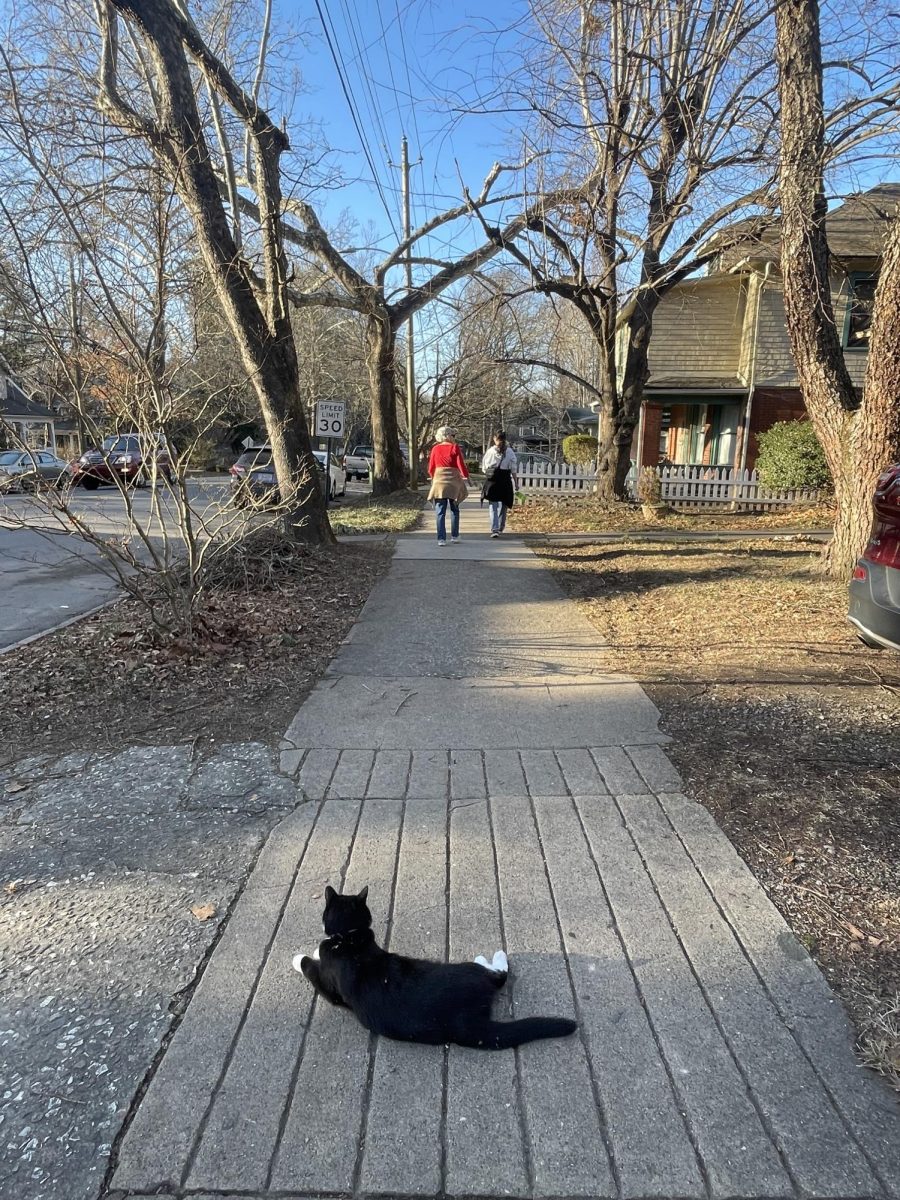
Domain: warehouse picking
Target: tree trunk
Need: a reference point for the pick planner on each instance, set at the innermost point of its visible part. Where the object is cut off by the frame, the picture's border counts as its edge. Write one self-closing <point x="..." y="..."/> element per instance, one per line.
<point x="277" y="387"/>
<point x="619" y="423"/>
<point x="876" y="433"/>
<point x="389" y="473"/>
<point x="828" y="391"/>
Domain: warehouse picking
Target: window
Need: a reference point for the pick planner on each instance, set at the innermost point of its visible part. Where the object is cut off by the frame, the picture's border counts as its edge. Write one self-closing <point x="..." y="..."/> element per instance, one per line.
<point x="665" y="424"/>
<point x="723" y="434"/>
<point x="859" y="314"/>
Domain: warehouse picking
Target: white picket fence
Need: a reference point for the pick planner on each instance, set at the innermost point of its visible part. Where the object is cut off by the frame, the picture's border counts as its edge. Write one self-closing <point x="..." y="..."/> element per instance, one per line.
<point x="694" y="487"/>
<point x="682" y="487"/>
<point x="555" y="477"/>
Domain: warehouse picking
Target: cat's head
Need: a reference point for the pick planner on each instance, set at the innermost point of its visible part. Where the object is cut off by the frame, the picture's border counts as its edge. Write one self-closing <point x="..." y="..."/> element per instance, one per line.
<point x="344" y="914"/>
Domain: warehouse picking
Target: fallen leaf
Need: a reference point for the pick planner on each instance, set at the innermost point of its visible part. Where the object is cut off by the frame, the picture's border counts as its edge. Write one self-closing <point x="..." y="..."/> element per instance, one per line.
<point x="855" y="932"/>
<point x="204" y="911"/>
<point x="10" y="888"/>
<point x="12" y="788"/>
<point x="874" y="941"/>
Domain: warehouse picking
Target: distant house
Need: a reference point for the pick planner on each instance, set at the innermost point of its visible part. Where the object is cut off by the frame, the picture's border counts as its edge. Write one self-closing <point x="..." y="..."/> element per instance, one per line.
<point x="24" y="421"/>
<point x="721" y="368"/>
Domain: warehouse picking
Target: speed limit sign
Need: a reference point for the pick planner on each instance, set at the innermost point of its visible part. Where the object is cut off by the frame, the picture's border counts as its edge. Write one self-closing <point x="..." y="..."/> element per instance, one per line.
<point x="330" y="418"/>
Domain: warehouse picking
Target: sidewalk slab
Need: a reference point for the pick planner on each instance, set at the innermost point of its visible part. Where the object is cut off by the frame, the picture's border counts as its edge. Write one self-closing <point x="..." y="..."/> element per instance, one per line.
<point x="530" y="806"/>
<point x="539" y="712"/>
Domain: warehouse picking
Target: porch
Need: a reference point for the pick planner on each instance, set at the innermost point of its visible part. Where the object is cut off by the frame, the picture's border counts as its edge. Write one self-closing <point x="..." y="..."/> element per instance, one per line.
<point x="708" y="429"/>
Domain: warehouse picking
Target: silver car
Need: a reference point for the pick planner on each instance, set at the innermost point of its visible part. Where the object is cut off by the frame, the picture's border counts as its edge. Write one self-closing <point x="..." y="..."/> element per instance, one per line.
<point x="29" y="470"/>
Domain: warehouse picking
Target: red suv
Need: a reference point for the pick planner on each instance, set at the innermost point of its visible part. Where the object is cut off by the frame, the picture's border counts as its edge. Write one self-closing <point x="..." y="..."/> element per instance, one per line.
<point x="875" y="587"/>
<point x="120" y="458"/>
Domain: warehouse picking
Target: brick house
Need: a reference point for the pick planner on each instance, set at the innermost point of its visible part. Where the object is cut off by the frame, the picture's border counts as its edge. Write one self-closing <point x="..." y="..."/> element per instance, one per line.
<point x="721" y="369"/>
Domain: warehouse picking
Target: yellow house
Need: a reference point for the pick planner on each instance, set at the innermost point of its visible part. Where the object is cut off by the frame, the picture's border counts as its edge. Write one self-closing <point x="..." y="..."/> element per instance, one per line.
<point x="721" y="368"/>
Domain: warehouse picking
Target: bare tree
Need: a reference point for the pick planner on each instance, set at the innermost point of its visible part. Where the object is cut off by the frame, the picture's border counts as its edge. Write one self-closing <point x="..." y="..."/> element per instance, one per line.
<point x="385" y="308"/>
<point x="482" y="375"/>
<point x="665" y="114"/>
<point x="859" y="435"/>
<point x="660" y="111"/>
<point x="153" y="96"/>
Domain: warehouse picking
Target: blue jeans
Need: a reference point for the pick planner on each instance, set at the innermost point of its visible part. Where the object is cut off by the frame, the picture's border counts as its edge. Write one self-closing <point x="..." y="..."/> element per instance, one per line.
<point x="440" y="511"/>
<point x="498" y="516"/>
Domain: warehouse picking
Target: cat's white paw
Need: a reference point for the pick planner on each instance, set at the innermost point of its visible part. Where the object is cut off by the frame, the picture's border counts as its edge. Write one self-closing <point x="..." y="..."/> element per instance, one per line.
<point x="297" y="961"/>
<point x="500" y="963"/>
<point x="483" y="962"/>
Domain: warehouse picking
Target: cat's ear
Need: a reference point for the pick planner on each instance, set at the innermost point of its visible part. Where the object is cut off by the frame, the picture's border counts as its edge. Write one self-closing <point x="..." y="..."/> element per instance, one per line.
<point x="363" y="894"/>
<point x="330" y="894"/>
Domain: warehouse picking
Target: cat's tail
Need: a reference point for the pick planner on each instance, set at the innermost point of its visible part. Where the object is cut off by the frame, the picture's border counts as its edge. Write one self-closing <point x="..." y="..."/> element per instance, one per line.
<point x="503" y="1035"/>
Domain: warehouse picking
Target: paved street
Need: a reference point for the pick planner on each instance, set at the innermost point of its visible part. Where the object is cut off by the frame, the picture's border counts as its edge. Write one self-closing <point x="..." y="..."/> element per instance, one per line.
<point x="468" y="759"/>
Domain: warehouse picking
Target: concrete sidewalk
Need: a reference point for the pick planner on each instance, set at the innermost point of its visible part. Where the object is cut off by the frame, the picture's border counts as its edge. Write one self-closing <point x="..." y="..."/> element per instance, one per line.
<point x="469" y="760"/>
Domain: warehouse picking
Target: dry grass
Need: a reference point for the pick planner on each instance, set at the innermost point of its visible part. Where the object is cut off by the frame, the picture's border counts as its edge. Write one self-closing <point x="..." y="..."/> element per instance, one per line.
<point x="584" y="515"/>
<point x="785" y="726"/>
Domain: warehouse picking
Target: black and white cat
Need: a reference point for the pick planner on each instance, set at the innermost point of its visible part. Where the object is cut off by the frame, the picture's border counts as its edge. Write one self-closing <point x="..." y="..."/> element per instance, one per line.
<point x="411" y="999"/>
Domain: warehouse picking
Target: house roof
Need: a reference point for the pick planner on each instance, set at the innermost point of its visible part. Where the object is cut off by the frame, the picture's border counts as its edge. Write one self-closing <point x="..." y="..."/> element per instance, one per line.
<point x="679" y="383"/>
<point x="14" y="403"/>
<point x="855" y="229"/>
<point x="576" y="416"/>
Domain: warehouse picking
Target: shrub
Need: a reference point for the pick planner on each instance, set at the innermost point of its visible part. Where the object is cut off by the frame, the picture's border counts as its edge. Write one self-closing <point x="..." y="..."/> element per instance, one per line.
<point x="649" y="488"/>
<point x="579" y="448"/>
<point x="790" y="456"/>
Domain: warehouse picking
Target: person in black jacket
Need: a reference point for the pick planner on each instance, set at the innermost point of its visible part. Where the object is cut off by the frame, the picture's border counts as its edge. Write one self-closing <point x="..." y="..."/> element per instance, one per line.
<point x="499" y="465"/>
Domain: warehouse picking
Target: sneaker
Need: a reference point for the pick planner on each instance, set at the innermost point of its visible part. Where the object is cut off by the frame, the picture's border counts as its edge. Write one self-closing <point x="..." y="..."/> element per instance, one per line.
<point x="495" y="535"/>
<point x="440" y="543"/>
<point x="456" y="539"/>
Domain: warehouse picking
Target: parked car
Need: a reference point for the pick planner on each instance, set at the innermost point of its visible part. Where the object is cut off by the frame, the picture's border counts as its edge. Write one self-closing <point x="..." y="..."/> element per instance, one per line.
<point x="253" y="478"/>
<point x="358" y="462"/>
<point x="338" y="474"/>
<point x="528" y="459"/>
<point x="875" y="586"/>
<point x="256" y="458"/>
<point x="125" y="458"/>
<point x="29" y="470"/>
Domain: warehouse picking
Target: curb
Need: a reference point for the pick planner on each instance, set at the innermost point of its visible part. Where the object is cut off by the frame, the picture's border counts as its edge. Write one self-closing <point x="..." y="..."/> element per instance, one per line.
<point x="36" y="637"/>
<point x="677" y="535"/>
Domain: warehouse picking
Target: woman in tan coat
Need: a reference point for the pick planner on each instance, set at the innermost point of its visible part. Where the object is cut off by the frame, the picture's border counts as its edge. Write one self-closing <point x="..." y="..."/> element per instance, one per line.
<point x="449" y="477"/>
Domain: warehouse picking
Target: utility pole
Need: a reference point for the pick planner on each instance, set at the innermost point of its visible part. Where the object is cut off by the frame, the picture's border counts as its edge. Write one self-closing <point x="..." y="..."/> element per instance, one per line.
<point x="412" y="416"/>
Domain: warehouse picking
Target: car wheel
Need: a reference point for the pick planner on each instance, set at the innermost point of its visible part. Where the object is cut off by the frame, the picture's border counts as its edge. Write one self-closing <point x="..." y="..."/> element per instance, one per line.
<point x="90" y="484"/>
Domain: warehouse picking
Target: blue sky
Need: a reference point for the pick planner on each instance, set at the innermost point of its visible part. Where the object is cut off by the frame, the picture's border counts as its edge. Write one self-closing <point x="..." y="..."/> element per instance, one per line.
<point x="402" y="60"/>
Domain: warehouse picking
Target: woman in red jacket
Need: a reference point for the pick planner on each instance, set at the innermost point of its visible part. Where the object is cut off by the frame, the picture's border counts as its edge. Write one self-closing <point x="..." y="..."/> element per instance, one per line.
<point x="447" y="469"/>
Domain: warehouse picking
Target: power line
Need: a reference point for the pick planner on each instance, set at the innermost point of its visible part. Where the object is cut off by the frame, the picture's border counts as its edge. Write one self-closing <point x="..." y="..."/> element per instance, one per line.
<point x="366" y="76"/>
<point x="345" y="88"/>
<point x="409" y="88"/>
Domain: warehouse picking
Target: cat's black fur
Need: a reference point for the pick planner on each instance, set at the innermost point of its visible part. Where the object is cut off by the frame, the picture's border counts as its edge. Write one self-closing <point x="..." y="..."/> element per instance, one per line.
<point x="411" y="999"/>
